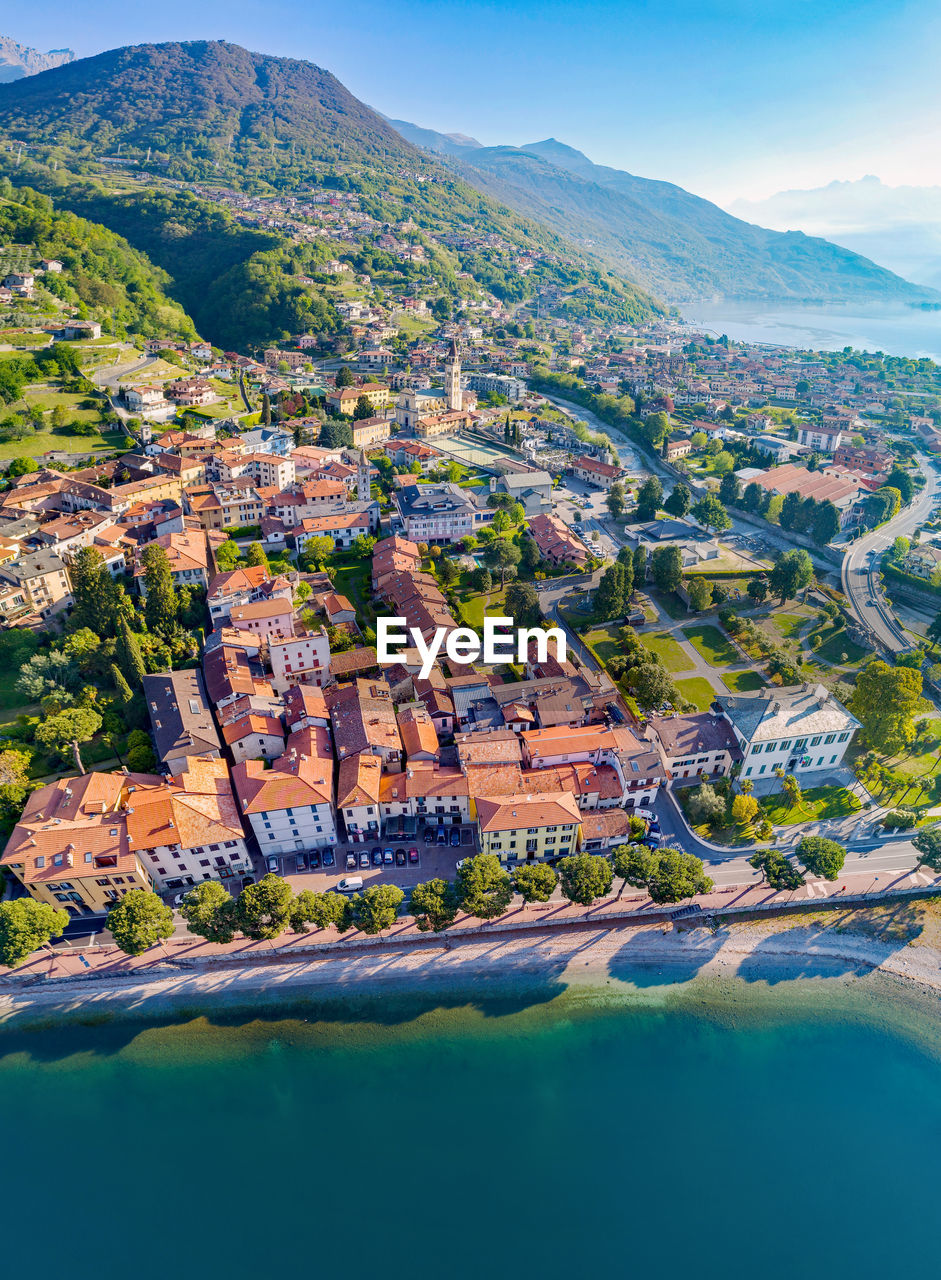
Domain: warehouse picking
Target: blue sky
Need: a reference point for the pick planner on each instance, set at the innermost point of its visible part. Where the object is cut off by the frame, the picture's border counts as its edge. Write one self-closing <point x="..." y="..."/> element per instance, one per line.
<point x="741" y="98"/>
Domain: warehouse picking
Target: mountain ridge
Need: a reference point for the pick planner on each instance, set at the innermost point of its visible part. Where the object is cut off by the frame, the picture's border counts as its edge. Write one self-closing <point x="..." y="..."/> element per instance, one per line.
<point x="19" y="60"/>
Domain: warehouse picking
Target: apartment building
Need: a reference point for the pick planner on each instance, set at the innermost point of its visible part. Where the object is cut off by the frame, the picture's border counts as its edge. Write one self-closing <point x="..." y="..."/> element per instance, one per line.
<point x="795" y="730"/>
<point x="290" y="805"/>
<point x="358" y="797"/>
<point x="180" y="718"/>
<point x="43" y="580"/>
<point x="528" y="828"/>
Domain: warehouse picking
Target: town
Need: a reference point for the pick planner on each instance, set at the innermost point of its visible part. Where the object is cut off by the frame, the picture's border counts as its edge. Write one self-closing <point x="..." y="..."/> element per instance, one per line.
<point x="206" y="731"/>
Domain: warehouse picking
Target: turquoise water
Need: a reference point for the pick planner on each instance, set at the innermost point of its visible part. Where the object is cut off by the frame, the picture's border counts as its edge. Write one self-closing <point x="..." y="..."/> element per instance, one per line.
<point x="717" y="1135"/>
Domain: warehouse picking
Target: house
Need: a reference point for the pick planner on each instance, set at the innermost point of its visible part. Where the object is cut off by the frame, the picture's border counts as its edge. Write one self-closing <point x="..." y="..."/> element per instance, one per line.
<point x="254" y="737"/>
<point x="556" y="542"/>
<point x="636" y="762"/>
<point x="70" y="847"/>
<point x="358" y="791"/>
<point x="824" y="439"/>
<point x="180" y="718"/>
<point x="693" y="746"/>
<point x="342" y="528"/>
<point x="418" y="733"/>
<point x="601" y="475"/>
<point x="271" y="618"/>
<point x="922" y="560"/>
<point x="243" y="586"/>
<point x="527" y="828"/>
<point x="363" y="719"/>
<point x="299" y="658"/>
<point x="343" y="400"/>
<point x="189" y="556"/>
<point x="604" y="831"/>
<point x="79" y="330"/>
<point x="437" y="513"/>
<point x="290" y="805"/>
<point x="370" y="431"/>
<point x="795" y="730"/>
<point x="186" y="827"/>
<point x="42" y="578"/>
<point x="424" y="792"/>
<point x="532" y="489"/>
<point x="681" y="447"/>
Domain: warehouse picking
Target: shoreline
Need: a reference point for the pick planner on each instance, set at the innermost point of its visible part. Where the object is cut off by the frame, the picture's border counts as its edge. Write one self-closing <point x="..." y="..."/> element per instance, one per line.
<point x="601" y="957"/>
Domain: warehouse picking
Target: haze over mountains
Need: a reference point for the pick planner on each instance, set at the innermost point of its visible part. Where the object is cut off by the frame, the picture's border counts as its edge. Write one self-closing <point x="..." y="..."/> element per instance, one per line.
<point x="212" y="111"/>
<point x="899" y="227"/>
<point x="18" y="60"/>
<point x="675" y="244"/>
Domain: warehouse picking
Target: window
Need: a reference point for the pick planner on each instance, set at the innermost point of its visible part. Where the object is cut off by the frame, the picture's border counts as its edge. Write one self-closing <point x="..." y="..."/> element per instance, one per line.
<point x="40" y="861"/>
<point x="756" y="750"/>
<point x="204" y="862"/>
<point x="800" y="744"/>
<point x="762" y="769"/>
<point x="831" y="737"/>
<point x="785" y="744"/>
<point x="815" y="742"/>
<point x="843" y="737"/>
<point x="57" y="860"/>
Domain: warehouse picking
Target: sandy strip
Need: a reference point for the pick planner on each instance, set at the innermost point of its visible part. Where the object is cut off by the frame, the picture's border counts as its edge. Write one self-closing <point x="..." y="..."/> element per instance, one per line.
<point x="592" y="956"/>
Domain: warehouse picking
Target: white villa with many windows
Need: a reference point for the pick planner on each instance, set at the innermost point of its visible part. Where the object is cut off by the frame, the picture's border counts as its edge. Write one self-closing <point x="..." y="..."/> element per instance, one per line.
<point x="796" y="730"/>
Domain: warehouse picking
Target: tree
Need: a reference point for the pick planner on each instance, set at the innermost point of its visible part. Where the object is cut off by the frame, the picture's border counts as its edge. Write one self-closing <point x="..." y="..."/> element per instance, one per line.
<point x="344" y="377"/>
<point x="753" y="497"/>
<point x="744" y="809"/>
<point x="121" y="686"/>
<point x="161" y="605"/>
<point x="377" y="907"/>
<point x="209" y="912"/>
<point x="723" y="464"/>
<point x="610" y="600"/>
<point x="265" y="409"/>
<point x="481" y="580"/>
<point x="502" y="555"/>
<point x="72" y="726"/>
<point x="826" y="523"/>
<point x="934" y="630"/>
<point x="677" y="875"/>
<point x="699" y="590"/>
<point x="679" y="501"/>
<point x="705" y="804"/>
<point x="885" y="701"/>
<point x="363" y="409"/>
<point x="336" y="435"/>
<point x="789" y="510"/>
<point x="522" y="604"/>
<point x="483" y="887"/>
<point x="255" y="556"/>
<point x="139" y="921"/>
<point x="585" y="878"/>
<point x="710" y="512"/>
<point x="434" y="905"/>
<point x="729" y="489"/>
<point x="320" y="909"/>
<point x="227" y="556"/>
<point x="666" y="566"/>
<point x="91" y="589"/>
<point x="615" y="501"/>
<point x="792" y="789"/>
<point x="317" y="551"/>
<point x="535" y="881"/>
<point x="26" y="924"/>
<point x="264" y="909"/>
<point x="14" y="768"/>
<point x="639" y="557"/>
<point x="928" y="843"/>
<point x="649" y="499"/>
<point x="652" y="686"/>
<point x="21" y="467"/>
<point x="140" y="752"/>
<point x="129" y="655"/>
<point x="757" y="588"/>
<point x="792" y="571"/>
<point x="656" y="428"/>
<point x="634" y="863"/>
<point x="821" y="857"/>
<point x="776" y="869"/>
<point x="902" y="481"/>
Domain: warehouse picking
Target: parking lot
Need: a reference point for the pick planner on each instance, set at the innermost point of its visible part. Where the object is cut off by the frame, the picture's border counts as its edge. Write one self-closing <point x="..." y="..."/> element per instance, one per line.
<point x="433" y="860"/>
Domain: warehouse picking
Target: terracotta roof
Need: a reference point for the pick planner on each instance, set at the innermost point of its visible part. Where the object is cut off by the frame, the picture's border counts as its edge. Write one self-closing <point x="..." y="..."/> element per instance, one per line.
<point x="359" y="781"/>
<point x="418" y="731"/>
<point x="511" y="813"/>
<point x="193" y="808"/>
<point x="244" y="728"/>
<point x="77" y="819"/>
<point x="302" y="776"/>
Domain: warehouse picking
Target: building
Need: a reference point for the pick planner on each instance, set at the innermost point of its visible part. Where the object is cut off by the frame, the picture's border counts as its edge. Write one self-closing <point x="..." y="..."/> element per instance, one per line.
<point x="824" y="439"/>
<point x="678" y="448"/>
<point x="532" y="489"/>
<point x="70" y="847"/>
<point x="602" y="475"/>
<point x="370" y="431"/>
<point x="256" y="736"/>
<point x="343" y="400"/>
<point x="290" y="805"/>
<point x="298" y="659"/>
<point x="556" y="542"/>
<point x="423" y="792"/>
<point x="437" y="513"/>
<point x="180" y="718"/>
<point x="528" y="828"/>
<point x="694" y="746"/>
<point x="795" y="730"/>
<point x="358" y="797"/>
<point x="42" y="580"/>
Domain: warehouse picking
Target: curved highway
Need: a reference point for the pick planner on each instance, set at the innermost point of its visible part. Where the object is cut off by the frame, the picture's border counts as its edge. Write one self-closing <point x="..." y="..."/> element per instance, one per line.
<point x="860" y="569"/>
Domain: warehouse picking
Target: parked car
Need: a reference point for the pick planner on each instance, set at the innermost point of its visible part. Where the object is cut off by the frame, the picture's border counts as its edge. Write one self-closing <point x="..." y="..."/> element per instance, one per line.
<point x="400" y="858"/>
<point x="388" y="857"/>
<point x="314" y="860"/>
<point x="364" y="860"/>
<point x="351" y="862"/>
<point x="273" y="863"/>
<point x="328" y="859"/>
<point x="301" y="861"/>
<point x="376" y="857"/>
<point x="413" y="857"/>
<point x="350" y="884"/>
<point x="442" y="836"/>
<point x="430" y="835"/>
<point x="455" y="836"/>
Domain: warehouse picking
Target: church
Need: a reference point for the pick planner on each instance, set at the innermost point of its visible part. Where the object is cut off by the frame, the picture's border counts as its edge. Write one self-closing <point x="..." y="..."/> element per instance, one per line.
<point x="437" y="412"/>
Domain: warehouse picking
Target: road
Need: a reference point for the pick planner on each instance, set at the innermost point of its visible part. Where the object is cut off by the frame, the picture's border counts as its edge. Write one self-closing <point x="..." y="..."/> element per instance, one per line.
<point x="859" y="571"/>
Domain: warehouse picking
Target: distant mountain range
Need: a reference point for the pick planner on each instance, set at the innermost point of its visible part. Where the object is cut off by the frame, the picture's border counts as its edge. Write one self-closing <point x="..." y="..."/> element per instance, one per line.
<point x="18" y="60"/>
<point x="675" y="244"/>
<point x="898" y="227"/>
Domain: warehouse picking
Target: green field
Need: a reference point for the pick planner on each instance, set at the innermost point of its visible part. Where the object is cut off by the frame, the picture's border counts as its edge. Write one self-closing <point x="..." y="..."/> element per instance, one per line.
<point x="817" y="803"/>
<point x="712" y="645"/>
<point x="671" y="604"/>
<point x="39" y="442"/>
<point x="743" y="681"/>
<point x="668" y="651"/>
<point x="789" y="624"/>
<point x="698" y="691"/>
<point x="838" y="644"/>
<point x="604" y="641"/>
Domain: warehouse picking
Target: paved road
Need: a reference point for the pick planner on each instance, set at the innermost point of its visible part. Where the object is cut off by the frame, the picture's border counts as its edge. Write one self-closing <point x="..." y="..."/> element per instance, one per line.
<point x="859" y="572"/>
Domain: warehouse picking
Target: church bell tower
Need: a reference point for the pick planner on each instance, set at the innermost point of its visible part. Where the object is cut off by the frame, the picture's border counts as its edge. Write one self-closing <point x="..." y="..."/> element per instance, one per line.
<point x="452" y="378"/>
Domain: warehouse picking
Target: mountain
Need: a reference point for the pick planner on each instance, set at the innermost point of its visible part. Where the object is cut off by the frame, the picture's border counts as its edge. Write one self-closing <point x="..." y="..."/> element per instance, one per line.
<point x="214" y="114"/>
<point x="447" y="144"/>
<point x="678" y="245"/>
<point x="18" y="60"/>
<point x="898" y="227"/>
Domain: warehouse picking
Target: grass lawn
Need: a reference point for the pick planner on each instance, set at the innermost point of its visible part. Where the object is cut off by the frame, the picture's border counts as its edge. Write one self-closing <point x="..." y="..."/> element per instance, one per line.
<point x="669" y="651"/>
<point x="789" y="624"/>
<point x="921" y="768"/>
<point x="671" y="604"/>
<point x="712" y="644"/>
<point x="351" y="577"/>
<point x="832" y="649"/>
<point x="817" y="803"/>
<point x="39" y="442"/>
<point x="743" y="681"/>
<point x="603" y="641"/>
<point x="698" y="691"/>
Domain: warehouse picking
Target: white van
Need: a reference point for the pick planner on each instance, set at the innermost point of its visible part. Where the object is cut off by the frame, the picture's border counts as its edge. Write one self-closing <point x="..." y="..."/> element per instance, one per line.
<point x="350" y="884"/>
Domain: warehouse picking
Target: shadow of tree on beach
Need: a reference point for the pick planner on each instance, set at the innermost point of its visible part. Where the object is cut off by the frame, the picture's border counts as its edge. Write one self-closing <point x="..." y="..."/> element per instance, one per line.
<point x="656" y="957"/>
<point x="808" y="951"/>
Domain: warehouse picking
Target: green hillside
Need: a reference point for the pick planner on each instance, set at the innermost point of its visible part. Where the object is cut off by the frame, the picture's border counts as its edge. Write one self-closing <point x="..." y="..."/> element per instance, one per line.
<point x="214" y="114"/>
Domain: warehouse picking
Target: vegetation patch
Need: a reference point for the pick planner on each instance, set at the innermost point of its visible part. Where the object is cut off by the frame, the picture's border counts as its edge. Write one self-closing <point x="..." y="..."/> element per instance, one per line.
<point x="814" y="805"/>
<point x="669" y="651"/>
<point x="698" y="691"/>
<point x="743" y="681"/>
<point x="712" y="645"/>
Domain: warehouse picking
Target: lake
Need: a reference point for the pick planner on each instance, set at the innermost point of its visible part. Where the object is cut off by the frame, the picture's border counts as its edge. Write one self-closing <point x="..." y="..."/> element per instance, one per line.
<point x="784" y="1130"/>
<point x="896" y="330"/>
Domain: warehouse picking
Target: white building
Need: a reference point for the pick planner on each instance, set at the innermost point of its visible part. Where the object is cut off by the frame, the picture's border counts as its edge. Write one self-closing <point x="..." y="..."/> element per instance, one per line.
<point x="290" y="804"/>
<point x="303" y="658"/>
<point x="796" y="730"/>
